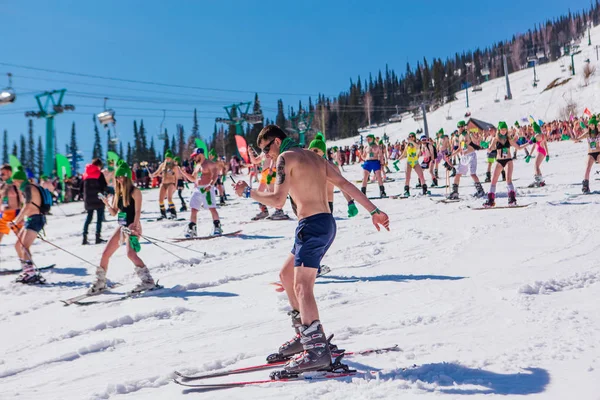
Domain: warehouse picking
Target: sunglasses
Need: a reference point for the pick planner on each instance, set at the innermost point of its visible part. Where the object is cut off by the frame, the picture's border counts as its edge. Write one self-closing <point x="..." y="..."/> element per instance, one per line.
<point x="267" y="148"/>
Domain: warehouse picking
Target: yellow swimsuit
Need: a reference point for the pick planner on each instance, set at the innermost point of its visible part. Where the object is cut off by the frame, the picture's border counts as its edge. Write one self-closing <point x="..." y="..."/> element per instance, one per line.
<point x="412" y="155"/>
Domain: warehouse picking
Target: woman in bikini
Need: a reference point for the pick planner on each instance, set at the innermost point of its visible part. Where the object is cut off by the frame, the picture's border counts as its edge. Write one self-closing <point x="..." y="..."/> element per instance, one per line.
<point x="541" y="145"/>
<point x="167" y="185"/>
<point x="501" y="144"/>
<point x="593" y="138"/>
<point x="411" y="153"/>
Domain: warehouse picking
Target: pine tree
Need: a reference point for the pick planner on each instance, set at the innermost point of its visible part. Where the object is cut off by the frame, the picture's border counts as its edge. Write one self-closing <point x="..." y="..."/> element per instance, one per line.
<point x="30" y="148"/>
<point x="14" y="149"/>
<point x="40" y="157"/>
<point x="151" y="151"/>
<point x="74" y="150"/>
<point x="166" y="143"/>
<point x="180" y="141"/>
<point x="121" y="154"/>
<point x="5" y="147"/>
<point x="256" y="128"/>
<point x="143" y="142"/>
<point x="280" y="119"/>
<point x="97" y="150"/>
<point x="22" y="149"/>
<point x="137" y="144"/>
<point x="129" y="157"/>
<point x="195" y="128"/>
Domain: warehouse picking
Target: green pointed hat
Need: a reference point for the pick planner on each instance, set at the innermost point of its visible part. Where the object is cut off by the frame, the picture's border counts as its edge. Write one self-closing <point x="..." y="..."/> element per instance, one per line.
<point x="502" y="125"/>
<point x="123" y="170"/>
<point x="318" y="144"/>
<point x="19" y="174"/>
<point x="169" y="154"/>
<point x="536" y="128"/>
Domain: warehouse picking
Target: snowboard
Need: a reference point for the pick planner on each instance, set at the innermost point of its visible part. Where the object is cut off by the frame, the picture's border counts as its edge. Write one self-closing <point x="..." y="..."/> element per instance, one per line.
<point x="128" y="295"/>
<point x="166" y="219"/>
<point x="445" y="201"/>
<point x="207" y="237"/>
<point x="18" y="271"/>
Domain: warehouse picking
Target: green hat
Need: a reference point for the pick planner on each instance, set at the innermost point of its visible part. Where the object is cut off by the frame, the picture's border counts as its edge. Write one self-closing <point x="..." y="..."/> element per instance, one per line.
<point x="318" y="144"/>
<point x="168" y="154"/>
<point x="334" y="148"/>
<point x="44" y="177"/>
<point x="177" y="159"/>
<point x="441" y="131"/>
<point x="461" y="123"/>
<point x="19" y="174"/>
<point x="120" y="162"/>
<point x="593" y="120"/>
<point x="517" y="124"/>
<point x="123" y="170"/>
<point x="536" y="128"/>
<point x="371" y="136"/>
<point x="319" y="136"/>
<point x="502" y="125"/>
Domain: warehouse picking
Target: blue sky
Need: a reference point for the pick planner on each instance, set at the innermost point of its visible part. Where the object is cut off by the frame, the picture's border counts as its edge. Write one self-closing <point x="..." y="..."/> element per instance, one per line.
<point x="296" y="48"/>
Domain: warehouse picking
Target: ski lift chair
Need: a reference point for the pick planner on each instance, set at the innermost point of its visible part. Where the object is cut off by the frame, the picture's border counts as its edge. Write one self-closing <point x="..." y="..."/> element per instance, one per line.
<point x="8" y="95"/>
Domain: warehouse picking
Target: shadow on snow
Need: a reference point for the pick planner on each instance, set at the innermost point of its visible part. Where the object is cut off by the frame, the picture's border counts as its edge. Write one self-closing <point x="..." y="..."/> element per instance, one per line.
<point x="385" y="278"/>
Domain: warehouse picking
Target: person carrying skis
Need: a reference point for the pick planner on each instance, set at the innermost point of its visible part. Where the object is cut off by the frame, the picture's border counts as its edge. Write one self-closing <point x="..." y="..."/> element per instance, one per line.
<point x="127" y="206"/>
<point x="304" y="175"/>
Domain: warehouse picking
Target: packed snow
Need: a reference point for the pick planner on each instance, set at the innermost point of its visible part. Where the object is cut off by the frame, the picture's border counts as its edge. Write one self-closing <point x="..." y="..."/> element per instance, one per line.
<point x="495" y="302"/>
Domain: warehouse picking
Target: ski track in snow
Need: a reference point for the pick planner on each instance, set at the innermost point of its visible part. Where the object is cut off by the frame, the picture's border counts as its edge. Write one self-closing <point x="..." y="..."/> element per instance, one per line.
<point x="497" y="302"/>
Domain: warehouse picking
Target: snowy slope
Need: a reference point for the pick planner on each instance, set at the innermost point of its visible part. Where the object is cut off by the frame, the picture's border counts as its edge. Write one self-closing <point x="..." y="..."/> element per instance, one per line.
<point x="496" y="302"/>
<point x="527" y="100"/>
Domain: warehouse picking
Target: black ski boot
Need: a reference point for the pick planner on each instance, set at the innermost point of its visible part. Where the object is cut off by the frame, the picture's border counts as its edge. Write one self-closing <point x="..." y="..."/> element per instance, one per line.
<point x="503" y="176"/>
<point x="163" y="213"/>
<point x="406" y="191"/>
<point x="85" y="241"/>
<point x="435" y="173"/>
<point x="382" y="191"/>
<point x="434" y="183"/>
<point x="364" y="190"/>
<point x="488" y="176"/>
<point x="418" y="185"/>
<point x="172" y="211"/>
<point x="425" y="190"/>
<point x="585" y="186"/>
<point x="480" y="192"/>
<point x="316" y="355"/>
<point x="99" y="239"/>
<point x="292" y="346"/>
<point x="454" y="194"/>
<point x="183" y="208"/>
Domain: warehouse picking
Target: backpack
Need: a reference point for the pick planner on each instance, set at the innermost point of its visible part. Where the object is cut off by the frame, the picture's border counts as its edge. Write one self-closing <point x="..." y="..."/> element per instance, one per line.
<point x="46" y="197"/>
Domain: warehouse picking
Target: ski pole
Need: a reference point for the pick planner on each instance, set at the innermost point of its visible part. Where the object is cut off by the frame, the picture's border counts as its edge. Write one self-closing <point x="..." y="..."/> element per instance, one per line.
<point x="68" y="252"/>
<point x="150" y="239"/>
<point x="127" y="231"/>
<point x="24" y="248"/>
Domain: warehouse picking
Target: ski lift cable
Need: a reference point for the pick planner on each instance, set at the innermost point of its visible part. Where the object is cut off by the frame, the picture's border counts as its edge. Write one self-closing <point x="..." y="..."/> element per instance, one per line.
<point x="54" y="71"/>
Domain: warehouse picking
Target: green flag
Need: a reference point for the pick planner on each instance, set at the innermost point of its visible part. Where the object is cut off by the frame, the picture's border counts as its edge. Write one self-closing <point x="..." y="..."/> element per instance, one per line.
<point x="63" y="167"/>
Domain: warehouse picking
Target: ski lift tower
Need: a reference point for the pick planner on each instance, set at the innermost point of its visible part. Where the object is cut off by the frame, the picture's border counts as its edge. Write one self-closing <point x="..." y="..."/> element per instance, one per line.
<point x="8" y="95"/>
<point x="301" y="124"/>
<point x="50" y="105"/>
<point x="237" y="114"/>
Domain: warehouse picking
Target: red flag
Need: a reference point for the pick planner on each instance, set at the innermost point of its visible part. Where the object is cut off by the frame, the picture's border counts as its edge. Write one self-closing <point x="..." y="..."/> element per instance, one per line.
<point x="587" y="112"/>
<point x="242" y="147"/>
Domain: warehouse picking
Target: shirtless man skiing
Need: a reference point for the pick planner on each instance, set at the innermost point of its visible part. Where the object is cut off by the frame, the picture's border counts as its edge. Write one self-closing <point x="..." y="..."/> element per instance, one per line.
<point x="374" y="159"/>
<point x="204" y="176"/>
<point x="10" y="200"/>
<point x="443" y="152"/>
<point x="304" y="175"/>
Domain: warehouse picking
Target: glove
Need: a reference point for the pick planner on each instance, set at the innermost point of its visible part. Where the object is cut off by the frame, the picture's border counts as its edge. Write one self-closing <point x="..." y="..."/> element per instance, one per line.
<point x="565" y="137"/>
<point x="527" y="158"/>
<point x="135" y="243"/>
<point x="547" y="158"/>
<point x="352" y="210"/>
